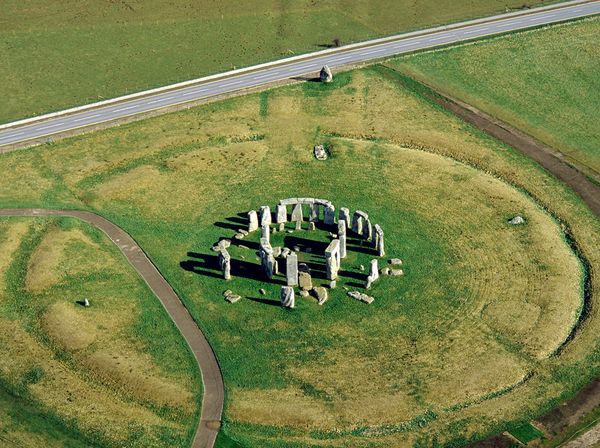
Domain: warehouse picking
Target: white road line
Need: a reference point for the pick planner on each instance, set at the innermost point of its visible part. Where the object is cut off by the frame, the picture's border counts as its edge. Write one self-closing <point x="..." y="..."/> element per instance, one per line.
<point x="232" y="83"/>
<point x="266" y="75"/>
<point x="50" y="126"/>
<point x="125" y="108"/>
<point x="438" y="38"/>
<point x="85" y="118"/>
<point x="193" y="92"/>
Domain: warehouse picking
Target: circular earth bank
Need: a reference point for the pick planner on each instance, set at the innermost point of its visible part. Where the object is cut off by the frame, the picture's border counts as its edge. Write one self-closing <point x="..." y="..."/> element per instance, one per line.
<point x="482" y="303"/>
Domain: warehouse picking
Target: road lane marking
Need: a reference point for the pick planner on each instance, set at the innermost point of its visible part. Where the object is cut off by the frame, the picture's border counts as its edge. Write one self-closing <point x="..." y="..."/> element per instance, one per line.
<point x="438" y="38"/>
<point x="50" y="126"/>
<point x="125" y="108"/>
<point x="85" y="118"/>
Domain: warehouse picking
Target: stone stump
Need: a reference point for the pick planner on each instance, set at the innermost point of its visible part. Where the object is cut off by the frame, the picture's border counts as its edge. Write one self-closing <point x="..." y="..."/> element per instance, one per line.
<point x="225" y="263"/>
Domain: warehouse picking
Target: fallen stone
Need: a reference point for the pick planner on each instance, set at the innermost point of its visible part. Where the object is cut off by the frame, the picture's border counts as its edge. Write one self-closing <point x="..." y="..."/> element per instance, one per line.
<point x="296" y="248"/>
<point x="320" y="294"/>
<point x="289" y="231"/>
<point x="262" y="291"/>
<point x="227" y="292"/>
<point x="385" y="271"/>
<point x="361" y="297"/>
<point x="239" y="236"/>
<point x="277" y="251"/>
<point x="361" y="267"/>
<point x="396" y="272"/>
<point x="304" y="293"/>
<point x="233" y="298"/>
<point x="395" y="262"/>
<point x="86" y="302"/>
<point x="241" y="246"/>
<point x="517" y="220"/>
<point x="303" y="267"/>
<point x="311" y="226"/>
<point x="332" y="284"/>
<point x="243" y="232"/>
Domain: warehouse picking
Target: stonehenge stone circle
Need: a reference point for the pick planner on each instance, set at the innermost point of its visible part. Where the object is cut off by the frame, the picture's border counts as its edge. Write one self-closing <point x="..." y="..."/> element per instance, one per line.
<point x="280" y="214"/>
<point x="358" y="220"/>
<point x="361" y="297"/>
<point x="367" y="230"/>
<point x="345" y="215"/>
<point x="265" y="232"/>
<point x="314" y="212"/>
<point x="342" y="226"/>
<point x="287" y="297"/>
<point x="265" y="216"/>
<point x="297" y="215"/>
<point x="378" y="241"/>
<point x="332" y="259"/>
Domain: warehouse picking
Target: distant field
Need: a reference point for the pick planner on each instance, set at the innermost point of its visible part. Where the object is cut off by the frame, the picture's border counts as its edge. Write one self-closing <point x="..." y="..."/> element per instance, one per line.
<point x="545" y="82"/>
<point x="64" y="53"/>
<point x="114" y="374"/>
<point x="469" y="339"/>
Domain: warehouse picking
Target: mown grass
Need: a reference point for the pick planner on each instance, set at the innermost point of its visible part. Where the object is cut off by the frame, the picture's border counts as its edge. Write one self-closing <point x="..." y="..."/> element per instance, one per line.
<point x="61" y="54"/>
<point x="114" y="374"/>
<point x="461" y="344"/>
<point x="545" y="82"/>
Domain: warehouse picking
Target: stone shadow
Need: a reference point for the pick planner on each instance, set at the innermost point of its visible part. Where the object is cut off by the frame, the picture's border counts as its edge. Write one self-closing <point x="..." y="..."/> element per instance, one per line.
<point x="265" y="301"/>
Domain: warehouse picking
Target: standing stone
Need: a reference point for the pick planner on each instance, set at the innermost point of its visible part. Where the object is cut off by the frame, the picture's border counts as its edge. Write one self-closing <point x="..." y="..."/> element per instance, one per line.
<point x="268" y="262"/>
<point x="265" y="216"/>
<point x="325" y="74"/>
<point x="287" y="297"/>
<point x="225" y="263"/>
<point x="291" y="269"/>
<point x="314" y="212"/>
<point x="358" y="220"/>
<point x="252" y="221"/>
<point x="311" y="226"/>
<point x="342" y="226"/>
<point x="367" y="230"/>
<point x="297" y="215"/>
<point x="281" y="215"/>
<point x="373" y="273"/>
<point x="266" y="232"/>
<point x="329" y="215"/>
<point x="332" y="258"/>
<point x="345" y="216"/>
<point x="379" y="246"/>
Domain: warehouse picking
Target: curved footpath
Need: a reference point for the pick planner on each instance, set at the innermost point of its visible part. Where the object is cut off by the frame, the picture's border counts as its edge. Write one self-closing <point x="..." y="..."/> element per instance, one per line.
<point x="212" y="379"/>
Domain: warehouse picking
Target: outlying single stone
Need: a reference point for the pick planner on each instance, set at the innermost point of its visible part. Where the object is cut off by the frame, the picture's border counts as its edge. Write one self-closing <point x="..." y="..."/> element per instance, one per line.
<point x="517" y="220"/>
<point x="252" y="221"/>
<point x="325" y="74"/>
<point x="385" y="271"/>
<point x="231" y="297"/>
<point x="361" y="297"/>
<point x="320" y="153"/>
<point x="221" y="245"/>
<point x="287" y="297"/>
<point x="320" y="294"/>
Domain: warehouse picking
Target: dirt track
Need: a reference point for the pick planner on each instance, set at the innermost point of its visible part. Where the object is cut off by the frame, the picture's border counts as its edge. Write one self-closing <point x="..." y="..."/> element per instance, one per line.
<point x="213" y="394"/>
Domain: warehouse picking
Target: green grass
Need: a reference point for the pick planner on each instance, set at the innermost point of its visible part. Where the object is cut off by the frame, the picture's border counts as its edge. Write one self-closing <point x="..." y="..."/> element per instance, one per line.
<point x="545" y="82"/>
<point x="65" y="53"/>
<point x="525" y="432"/>
<point x="450" y="351"/>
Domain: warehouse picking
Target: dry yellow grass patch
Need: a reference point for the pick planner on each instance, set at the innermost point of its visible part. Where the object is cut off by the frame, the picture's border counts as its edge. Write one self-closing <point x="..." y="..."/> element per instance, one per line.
<point x="11" y="234"/>
<point x="203" y="170"/>
<point x="45" y="270"/>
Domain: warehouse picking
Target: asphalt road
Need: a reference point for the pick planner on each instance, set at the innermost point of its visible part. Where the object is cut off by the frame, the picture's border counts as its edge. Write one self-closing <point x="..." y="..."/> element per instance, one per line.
<point x="45" y="128"/>
<point x="212" y="380"/>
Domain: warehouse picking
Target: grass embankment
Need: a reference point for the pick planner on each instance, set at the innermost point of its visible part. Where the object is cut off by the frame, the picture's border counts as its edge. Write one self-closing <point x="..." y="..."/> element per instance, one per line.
<point x="61" y="54"/>
<point x="545" y="82"/>
<point x="460" y="345"/>
<point x="114" y="374"/>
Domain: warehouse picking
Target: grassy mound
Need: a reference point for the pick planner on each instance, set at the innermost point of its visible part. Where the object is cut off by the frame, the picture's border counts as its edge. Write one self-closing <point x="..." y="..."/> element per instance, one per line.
<point x="483" y="328"/>
<point x="95" y="374"/>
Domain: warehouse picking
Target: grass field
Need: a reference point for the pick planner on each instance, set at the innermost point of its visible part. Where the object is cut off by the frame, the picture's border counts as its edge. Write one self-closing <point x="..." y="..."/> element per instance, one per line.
<point x="65" y="53"/>
<point x="545" y="82"/>
<point x="470" y="338"/>
<point x="114" y="374"/>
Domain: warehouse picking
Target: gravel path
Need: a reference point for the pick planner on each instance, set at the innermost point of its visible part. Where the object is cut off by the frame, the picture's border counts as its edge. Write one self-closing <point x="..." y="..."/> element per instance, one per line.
<point x="213" y="393"/>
